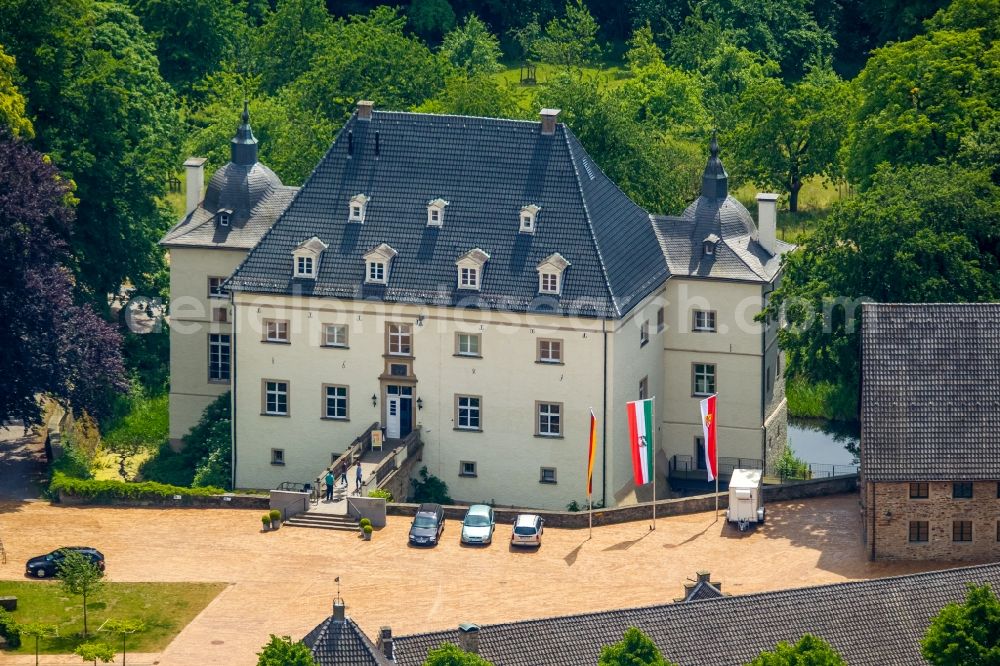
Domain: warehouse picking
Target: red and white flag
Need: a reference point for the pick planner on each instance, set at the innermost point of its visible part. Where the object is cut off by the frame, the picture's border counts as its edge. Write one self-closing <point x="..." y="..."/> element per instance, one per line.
<point x="708" y="420"/>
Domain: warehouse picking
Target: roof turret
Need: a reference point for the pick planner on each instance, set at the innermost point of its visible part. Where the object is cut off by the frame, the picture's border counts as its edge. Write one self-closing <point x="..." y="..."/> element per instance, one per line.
<point x="243" y="147"/>
<point x="715" y="180"/>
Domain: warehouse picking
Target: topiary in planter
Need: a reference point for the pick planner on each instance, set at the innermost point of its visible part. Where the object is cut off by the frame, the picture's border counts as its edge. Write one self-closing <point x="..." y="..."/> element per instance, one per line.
<point x="367" y="529"/>
<point x="364" y="522"/>
<point x="275" y="517"/>
<point x="266" y="520"/>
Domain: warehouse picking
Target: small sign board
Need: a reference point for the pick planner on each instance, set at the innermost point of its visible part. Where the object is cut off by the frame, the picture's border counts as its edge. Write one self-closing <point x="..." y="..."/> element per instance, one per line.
<point x="376" y="439"/>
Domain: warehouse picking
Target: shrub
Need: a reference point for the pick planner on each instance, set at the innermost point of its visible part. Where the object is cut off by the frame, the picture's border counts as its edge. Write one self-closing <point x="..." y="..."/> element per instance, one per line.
<point x="429" y="489"/>
<point x="791" y="467"/>
<point x="206" y="456"/>
<point x="266" y="520"/>
<point x="275" y="515"/>
<point x="381" y="492"/>
<point x="10" y="629"/>
<point x="573" y="506"/>
<point x="107" y="490"/>
<point x="367" y="529"/>
<point x="364" y="522"/>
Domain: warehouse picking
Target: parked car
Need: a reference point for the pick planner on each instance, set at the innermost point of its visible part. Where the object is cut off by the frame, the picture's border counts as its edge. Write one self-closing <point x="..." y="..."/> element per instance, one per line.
<point x="478" y="524"/>
<point x="48" y="565"/>
<point x="527" y="530"/>
<point x="427" y="525"/>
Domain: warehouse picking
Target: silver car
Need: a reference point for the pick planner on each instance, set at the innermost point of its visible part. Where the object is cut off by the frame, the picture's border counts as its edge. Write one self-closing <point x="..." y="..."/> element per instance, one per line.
<point x="527" y="530"/>
<point x="478" y="524"/>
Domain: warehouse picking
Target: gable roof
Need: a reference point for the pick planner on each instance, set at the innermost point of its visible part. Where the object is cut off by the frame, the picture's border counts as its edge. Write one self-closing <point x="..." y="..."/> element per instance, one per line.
<point x="930" y="391"/>
<point x="487" y="169"/>
<point x="344" y="644"/>
<point x="873" y="622"/>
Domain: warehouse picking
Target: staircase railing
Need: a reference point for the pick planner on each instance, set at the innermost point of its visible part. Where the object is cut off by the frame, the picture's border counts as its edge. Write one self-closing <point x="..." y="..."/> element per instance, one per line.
<point x="361" y="443"/>
<point x="411" y="443"/>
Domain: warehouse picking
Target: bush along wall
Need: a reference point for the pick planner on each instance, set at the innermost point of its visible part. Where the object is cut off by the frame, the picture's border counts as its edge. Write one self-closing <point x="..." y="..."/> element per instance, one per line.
<point x="110" y="490"/>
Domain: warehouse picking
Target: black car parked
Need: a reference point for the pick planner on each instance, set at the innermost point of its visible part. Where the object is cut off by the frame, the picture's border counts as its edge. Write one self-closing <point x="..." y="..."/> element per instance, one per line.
<point x="48" y="565"/>
<point x="427" y="525"/>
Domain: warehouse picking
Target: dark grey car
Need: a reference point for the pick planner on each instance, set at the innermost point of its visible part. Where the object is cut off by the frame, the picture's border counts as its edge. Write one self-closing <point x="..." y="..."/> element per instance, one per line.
<point x="427" y="525"/>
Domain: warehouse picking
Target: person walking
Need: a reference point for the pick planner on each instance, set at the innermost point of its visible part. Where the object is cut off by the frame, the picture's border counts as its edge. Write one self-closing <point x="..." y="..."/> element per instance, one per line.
<point x="343" y="474"/>
<point x="329" y="485"/>
<point x="357" y="477"/>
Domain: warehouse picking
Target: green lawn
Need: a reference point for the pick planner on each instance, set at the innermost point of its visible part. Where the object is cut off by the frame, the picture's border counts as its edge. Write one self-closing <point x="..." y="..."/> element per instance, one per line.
<point x="611" y="75"/>
<point x="165" y="608"/>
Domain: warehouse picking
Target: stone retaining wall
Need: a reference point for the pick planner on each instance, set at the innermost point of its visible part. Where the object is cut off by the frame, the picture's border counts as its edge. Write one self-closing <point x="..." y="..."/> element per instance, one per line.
<point x="187" y="502"/>
<point x="673" y="507"/>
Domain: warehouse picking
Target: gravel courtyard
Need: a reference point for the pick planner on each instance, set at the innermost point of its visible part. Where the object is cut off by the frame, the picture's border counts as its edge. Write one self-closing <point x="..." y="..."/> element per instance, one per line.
<point x="283" y="582"/>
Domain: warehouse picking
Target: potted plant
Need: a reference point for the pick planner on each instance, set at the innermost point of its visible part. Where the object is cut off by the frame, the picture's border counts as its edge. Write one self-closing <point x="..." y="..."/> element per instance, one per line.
<point x="275" y="516"/>
<point x="363" y="523"/>
<point x="367" y="532"/>
<point x="266" y="521"/>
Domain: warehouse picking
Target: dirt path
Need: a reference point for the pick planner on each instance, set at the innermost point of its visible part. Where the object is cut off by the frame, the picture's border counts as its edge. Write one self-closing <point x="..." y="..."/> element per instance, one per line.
<point x="282" y="582"/>
<point x="22" y="463"/>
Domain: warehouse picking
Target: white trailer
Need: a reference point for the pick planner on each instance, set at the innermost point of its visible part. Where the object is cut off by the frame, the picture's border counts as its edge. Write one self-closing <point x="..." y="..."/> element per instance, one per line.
<point x="746" y="504"/>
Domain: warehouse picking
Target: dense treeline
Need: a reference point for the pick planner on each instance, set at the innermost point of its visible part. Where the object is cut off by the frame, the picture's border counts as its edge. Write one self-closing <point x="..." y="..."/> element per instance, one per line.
<point x="890" y="98"/>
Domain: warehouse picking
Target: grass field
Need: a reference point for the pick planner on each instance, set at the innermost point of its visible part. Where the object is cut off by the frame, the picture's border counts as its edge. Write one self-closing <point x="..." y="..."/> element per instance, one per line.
<point x="164" y="608"/>
<point x="612" y="76"/>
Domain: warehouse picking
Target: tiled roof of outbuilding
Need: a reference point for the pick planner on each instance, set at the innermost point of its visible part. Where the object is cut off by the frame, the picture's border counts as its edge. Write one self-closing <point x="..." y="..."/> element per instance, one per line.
<point x="487" y="169"/>
<point x="343" y="644"/>
<point x="930" y="391"/>
<point x="873" y="622"/>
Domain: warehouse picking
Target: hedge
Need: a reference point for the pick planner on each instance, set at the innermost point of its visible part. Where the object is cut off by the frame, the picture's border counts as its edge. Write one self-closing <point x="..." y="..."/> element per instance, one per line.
<point x="111" y="490"/>
<point x="9" y="629"/>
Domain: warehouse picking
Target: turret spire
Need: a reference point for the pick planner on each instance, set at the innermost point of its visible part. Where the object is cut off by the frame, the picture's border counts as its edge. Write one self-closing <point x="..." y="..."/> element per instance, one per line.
<point x="715" y="180"/>
<point x="243" y="147"/>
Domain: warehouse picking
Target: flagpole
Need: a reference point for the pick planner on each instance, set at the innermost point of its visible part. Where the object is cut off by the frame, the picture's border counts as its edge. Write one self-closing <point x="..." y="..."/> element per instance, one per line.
<point x="590" y="517"/>
<point x="653" y="452"/>
<point x="715" y="425"/>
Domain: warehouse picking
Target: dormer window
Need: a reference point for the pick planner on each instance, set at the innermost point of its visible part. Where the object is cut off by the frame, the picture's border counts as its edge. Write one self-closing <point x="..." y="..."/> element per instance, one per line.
<point x="224" y="217"/>
<point x="358" y="208"/>
<point x="435" y="212"/>
<point x="550" y="274"/>
<point x="305" y="258"/>
<point x="710" y="242"/>
<point x="377" y="264"/>
<point x="529" y="218"/>
<point x="470" y="269"/>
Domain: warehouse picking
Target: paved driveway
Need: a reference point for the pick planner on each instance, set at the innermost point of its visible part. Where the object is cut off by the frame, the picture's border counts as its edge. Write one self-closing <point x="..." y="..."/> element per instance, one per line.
<point x="282" y="582"/>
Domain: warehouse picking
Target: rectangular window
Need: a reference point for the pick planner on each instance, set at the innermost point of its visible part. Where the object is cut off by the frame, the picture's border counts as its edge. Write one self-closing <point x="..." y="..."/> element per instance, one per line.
<point x="335" y="335"/>
<point x="919" y="490"/>
<point x="220" y="315"/>
<point x="919" y="531"/>
<point x="399" y="369"/>
<point x="467" y="468"/>
<point x="355" y="212"/>
<point x="435" y="215"/>
<point x="334" y="401"/>
<point x="961" y="491"/>
<point x="376" y="271"/>
<point x="547" y="475"/>
<point x="644" y="333"/>
<point x="218" y="357"/>
<point x="643" y="388"/>
<point x="276" y="330"/>
<point x="467" y="344"/>
<point x="961" y="530"/>
<point x="275" y="398"/>
<point x="277" y="456"/>
<point x="469" y="278"/>
<point x="704" y="321"/>
<point x="550" y="351"/>
<point x="704" y="378"/>
<point x="467" y="412"/>
<point x="549" y="283"/>
<point x="549" y="419"/>
<point x="661" y="320"/>
<point x="303" y="265"/>
<point x="215" y="287"/>
<point x="400" y="338"/>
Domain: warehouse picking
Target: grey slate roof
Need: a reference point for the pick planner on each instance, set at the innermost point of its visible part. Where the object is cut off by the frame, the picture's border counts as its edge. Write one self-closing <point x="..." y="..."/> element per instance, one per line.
<point x="703" y="590"/>
<point x="487" y="169"/>
<point x="930" y="391"/>
<point x="344" y="644"/>
<point x="876" y="622"/>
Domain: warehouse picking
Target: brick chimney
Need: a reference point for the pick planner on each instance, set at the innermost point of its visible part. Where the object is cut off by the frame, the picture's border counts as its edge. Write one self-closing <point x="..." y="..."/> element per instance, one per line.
<point x="549" y="117"/>
<point x="767" y="221"/>
<point x="385" y="642"/>
<point x="365" y="110"/>
<point x="339" y="611"/>
<point x="468" y="637"/>
<point x="194" y="168"/>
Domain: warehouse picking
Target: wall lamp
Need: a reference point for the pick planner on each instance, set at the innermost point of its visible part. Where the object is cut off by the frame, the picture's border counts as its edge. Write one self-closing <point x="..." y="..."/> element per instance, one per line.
<point x="420" y="403"/>
<point x="374" y="399"/>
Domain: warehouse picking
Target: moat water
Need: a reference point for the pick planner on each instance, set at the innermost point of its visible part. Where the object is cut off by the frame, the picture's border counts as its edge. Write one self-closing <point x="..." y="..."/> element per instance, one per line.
<point x="824" y="442"/>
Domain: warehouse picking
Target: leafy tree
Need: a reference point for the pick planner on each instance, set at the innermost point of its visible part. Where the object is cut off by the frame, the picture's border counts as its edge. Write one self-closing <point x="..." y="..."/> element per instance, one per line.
<point x="95" y="652"/>
<point x="283" y="652"/>
<point x="431" y="18"/>
<point x="809" y="651"/>
<point x="473" y="48"/>
<point x="668" y="98"/>
<point x="919" y="98"/>
<point x="205" y="459"/>
<point x="106" y="116"/>
<point x="142" y="428"/>
<point x="51" y="345"/>
<point x="12" y="105"/>
<point x="917" y="235"/>
<point x="192" y="36"/>
<point x="634" y="649"/>
<point x="475" y="96"/>
<point x="287" y="41"/>
<point x="38" y="631"/>
<point x="788" y="133"/>
<point x="126" y="628"/>
<point x="429" y="489"/>
<point x="966" y="633"/>
<point x="527" y="37"/>
<point x="570" y="41"/>
<point x="642" y="49"/>
<point x="448" y="654"/>
<point x="80" y="577"/>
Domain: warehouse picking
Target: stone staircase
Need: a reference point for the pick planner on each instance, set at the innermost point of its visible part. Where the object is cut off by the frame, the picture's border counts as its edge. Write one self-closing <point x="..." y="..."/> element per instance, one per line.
<point x="323" y="521"/>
